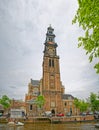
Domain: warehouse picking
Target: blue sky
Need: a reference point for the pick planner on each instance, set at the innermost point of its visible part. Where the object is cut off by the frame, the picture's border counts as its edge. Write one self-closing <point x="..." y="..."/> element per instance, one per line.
<point x="23" y="27"/>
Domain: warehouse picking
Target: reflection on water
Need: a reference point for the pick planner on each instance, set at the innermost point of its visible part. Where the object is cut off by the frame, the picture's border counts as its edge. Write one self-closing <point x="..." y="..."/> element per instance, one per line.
<point x="48" y="126"/>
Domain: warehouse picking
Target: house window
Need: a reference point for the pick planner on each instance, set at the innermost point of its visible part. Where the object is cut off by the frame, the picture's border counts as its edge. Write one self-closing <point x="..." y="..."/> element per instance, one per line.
<point x="65" y="103"/>
<point x="70" y="103"/>
<point x="31" y="107"/>
<point x="52" y="104"/>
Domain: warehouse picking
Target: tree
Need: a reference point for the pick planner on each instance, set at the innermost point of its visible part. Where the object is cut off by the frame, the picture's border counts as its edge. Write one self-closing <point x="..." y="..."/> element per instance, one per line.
<point x="5" y="101"/>
<point x="94" y="102"/>
<point x="88" y="18"/>
<point x="40" y="101"/>
<point x="76" y="103"/>
<point x="83" y="106"/>
<point x="80" y="104"/>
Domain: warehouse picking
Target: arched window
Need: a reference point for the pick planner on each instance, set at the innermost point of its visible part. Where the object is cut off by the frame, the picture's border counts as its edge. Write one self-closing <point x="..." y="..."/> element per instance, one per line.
<point x="50" y="62"/>
<point x="53" y="63"/>
<point x="65" y="103"/>
<point x="30" y="107"/>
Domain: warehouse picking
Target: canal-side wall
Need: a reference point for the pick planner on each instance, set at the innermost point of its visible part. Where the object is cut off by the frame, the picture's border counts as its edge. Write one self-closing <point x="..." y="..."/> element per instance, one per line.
<point x="72" y="119"/>
<point x="51" y="119"/>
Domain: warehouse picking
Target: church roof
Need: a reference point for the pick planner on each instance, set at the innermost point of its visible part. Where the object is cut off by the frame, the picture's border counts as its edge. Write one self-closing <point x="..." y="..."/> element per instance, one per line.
<point x="67" y="96"/>
<point x="35" y="82"/>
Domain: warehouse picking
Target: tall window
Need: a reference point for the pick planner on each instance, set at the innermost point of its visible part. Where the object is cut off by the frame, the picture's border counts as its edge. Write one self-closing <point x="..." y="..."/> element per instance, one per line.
<point x="30" y="107"/>
<point x="65" y="103"/>
<point x="51" y="63"/>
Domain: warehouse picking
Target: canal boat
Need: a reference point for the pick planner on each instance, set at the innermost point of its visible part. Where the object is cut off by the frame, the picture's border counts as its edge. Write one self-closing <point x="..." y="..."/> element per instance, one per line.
<point x="96" y="125"/>
<point x="12" y="123"/>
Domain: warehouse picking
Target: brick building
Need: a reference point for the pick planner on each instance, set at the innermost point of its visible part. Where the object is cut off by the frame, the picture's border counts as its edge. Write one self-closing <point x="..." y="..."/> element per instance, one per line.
<point x="50" y="85"/>
<point x="18" y="104"/>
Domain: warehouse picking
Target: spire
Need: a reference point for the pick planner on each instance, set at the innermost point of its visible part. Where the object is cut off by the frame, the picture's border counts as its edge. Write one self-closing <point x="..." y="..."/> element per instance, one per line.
<point x="50" y="25"/>
<point x="50" y="45"/>
<point x="50" y="36"/>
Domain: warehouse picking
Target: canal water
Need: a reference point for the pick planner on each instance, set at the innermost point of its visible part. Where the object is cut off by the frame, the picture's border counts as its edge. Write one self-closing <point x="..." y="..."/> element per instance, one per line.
<point x="49" y="126"/>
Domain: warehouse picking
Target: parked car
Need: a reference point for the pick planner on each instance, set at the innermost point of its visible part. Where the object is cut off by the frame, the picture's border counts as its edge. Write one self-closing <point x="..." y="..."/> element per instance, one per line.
<point x="96" y="115"/>
<point x="68" y="114"/>
<point x="60" y="114"/>
<point x="43" y="114"/>
<point x="83" y="114"/>
<point x="90" y="113"/>
<point x="48" y="114"/>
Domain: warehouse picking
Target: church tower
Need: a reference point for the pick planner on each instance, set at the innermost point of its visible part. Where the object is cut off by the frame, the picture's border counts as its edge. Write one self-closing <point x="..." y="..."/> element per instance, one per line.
<point x="50" y="85"/>
<point x="52" y="88"/>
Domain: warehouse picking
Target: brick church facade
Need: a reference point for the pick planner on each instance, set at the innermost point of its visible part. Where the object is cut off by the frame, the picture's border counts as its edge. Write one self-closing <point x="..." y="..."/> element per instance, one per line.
<point x="50" y="85"/>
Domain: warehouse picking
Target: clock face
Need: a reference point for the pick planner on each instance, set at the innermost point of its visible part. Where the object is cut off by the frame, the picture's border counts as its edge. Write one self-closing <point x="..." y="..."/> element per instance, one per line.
<point x="51" y="51"/>
<point x="35" y="89"/>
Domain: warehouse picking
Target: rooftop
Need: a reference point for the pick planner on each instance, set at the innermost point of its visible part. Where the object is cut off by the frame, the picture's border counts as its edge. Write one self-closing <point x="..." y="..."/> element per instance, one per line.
<point x="35" y="82"/>
<point x="67" y="96"/>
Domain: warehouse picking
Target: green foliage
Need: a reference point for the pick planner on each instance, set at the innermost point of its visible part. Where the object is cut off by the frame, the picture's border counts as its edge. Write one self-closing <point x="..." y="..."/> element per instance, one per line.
<point x="88" y="18"/>
<point x="5" y="101"/>
<point x="76" y="102"/>
<point x="94" y="101"/>
<point x="40" y="101"/>
<point x="81" y="104"/>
